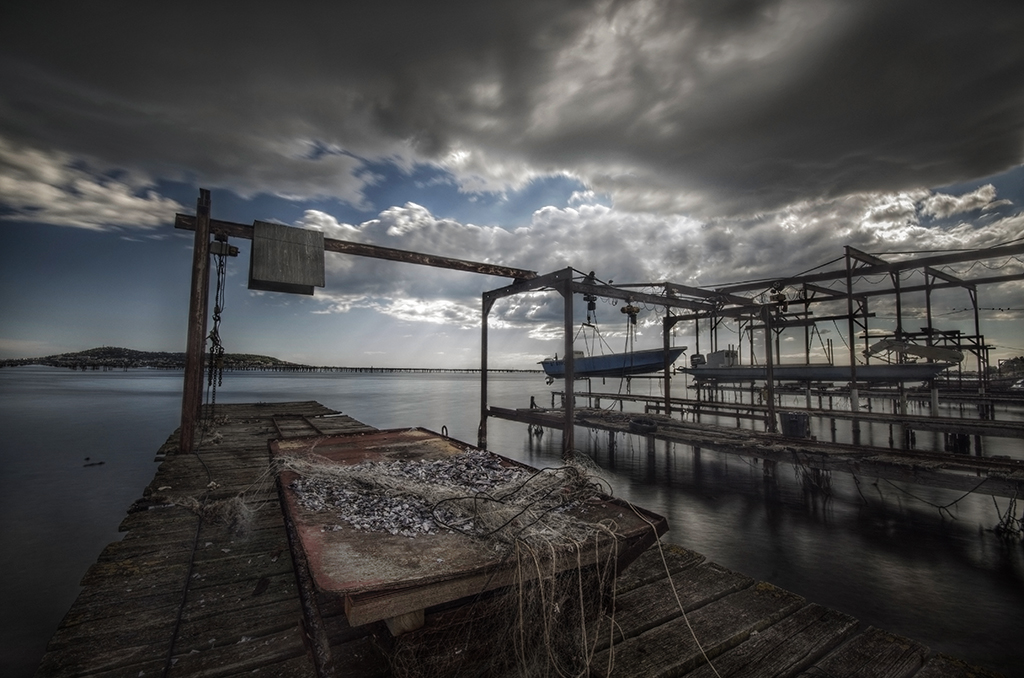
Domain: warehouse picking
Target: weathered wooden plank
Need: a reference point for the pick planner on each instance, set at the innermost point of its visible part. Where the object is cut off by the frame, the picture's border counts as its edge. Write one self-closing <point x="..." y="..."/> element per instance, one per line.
<point x="209" y="614"/>
<point x="142" y="541"/>
<point x="237" y="626"/>
<point x="270" y="543"/>
<point x="151" y="577"/>
<point x="233" y="570"/>
<point x="220" y="473"/>
<point x="943" y="666"/>
<point x="180" y="543"/>
<point x="98" y="607"/>
<point x="654" y="604"/>
<point x="163" y="519"/>
<point x="153" y="667"/>
<point x="654" y="563"/>
<point x="86" y="659"/>
<point x="207" y="464"/>
<point x="297" y="667"/>
<point x="874" y="653"/>
<point x="220" y="457"/>
<point x="136" y="573"/>
<point x="241" y="657"/>
<point x="241" y="595"/>
<point x="171" y="522"/>
<point x="134" y="627"/>
<point x="785" y="648"/>
<point x="671" y="649"/>
<point x="310" y="408"/>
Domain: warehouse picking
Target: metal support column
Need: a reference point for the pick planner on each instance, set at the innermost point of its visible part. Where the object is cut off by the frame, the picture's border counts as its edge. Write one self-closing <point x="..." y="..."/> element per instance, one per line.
<point x="766" y="315"/>
<point x="568" y="434"/>
<point x="851" y="324"/>
<point x="666" y="340"/>
<point x="481" y="432"/>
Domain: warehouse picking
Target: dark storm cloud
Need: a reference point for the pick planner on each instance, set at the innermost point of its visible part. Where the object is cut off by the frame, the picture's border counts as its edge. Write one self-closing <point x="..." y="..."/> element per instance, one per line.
<point x="705" y="107"/>
<point x="242" y="95"/>
<point x="812" y="99"/>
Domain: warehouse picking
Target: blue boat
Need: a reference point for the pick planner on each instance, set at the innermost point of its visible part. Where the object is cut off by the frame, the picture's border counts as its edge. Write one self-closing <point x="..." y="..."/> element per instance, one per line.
<point x="613" y="364"/>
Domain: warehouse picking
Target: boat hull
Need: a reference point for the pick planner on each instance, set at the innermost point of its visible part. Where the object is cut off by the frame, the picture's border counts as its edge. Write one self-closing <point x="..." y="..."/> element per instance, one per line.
<point x="614" y="364"/>
<point x="879" y="372"/>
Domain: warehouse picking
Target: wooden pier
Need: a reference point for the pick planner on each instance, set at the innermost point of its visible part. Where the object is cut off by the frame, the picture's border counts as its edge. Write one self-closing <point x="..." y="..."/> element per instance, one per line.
<point x="998" y="476"/>
<point x="199" y="587"/>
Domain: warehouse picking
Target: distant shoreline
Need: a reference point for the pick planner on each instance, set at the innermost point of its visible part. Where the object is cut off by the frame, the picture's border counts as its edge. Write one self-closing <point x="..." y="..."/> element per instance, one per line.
<point x="109" y="358"/>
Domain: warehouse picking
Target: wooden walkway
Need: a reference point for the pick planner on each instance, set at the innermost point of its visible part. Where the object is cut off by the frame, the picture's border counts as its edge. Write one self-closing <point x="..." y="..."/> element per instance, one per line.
<point x="997" y="476"/>
<point x="188" y="592"/>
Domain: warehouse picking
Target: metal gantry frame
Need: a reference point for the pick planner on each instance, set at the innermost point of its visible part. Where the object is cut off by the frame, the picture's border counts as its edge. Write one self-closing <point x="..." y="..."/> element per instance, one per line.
<point x="567" y="282"/>
<point x="715" y="304"/>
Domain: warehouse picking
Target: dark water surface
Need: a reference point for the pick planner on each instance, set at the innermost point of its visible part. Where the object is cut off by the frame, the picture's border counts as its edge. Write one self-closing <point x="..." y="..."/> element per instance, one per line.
<point x="878" y="551"/>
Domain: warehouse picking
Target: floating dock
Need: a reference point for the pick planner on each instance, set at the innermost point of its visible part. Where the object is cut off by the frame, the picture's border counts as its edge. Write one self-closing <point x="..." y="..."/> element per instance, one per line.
<point x="190" y="591"/>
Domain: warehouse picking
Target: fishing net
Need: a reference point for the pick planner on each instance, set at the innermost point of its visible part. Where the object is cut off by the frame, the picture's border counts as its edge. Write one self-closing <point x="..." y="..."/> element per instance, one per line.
<point x="547" y="623"/>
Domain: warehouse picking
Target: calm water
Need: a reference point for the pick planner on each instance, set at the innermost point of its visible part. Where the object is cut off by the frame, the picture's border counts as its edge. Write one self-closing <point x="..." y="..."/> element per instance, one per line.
<point x="875" y="550"/>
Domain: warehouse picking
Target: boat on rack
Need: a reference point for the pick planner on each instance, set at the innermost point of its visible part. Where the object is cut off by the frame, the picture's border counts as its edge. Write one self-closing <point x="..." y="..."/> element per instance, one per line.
<point x="613" y="364"/>
<point x="721" y="366"/>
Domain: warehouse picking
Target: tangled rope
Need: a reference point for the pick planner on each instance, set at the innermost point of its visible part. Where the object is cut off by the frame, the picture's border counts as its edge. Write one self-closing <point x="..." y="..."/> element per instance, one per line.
<point x="546" y="623"/>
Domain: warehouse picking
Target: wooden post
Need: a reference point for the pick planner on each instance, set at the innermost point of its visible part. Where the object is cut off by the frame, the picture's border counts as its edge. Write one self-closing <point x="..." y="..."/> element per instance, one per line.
<point x="192" y="392"/>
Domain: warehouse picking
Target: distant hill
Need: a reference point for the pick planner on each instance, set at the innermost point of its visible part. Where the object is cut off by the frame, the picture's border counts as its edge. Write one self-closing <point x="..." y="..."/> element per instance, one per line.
<point x="115" y="357"/>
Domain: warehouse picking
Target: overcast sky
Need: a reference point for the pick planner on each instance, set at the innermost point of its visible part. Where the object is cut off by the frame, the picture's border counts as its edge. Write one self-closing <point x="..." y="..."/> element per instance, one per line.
<point x="701" y="142"/>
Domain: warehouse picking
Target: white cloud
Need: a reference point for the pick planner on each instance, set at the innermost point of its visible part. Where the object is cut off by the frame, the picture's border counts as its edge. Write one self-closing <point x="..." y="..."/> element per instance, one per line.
<point x="622" y="246"/>
<point x="55" y="188"/>
<point x="330" y="226"/>
<point x="943" y="205"/>
<point x="436" y="311"/>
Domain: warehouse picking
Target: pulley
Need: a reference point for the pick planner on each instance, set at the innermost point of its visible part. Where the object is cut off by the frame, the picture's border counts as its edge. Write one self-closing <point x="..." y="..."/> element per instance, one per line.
<point x="632" y="311"/>
<point x="591" y="306"/>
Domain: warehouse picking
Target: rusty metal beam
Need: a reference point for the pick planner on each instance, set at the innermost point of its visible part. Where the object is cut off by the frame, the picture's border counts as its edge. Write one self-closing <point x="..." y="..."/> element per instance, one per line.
<point x="866" y="258"/>
<point x="642" y="297"/>
<point x="548" y="280"/>
<point x="556" y="280"/>
<point x="942" y="275"/>
<point x="237" y="230"/>
<point x="688" y="290"/>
